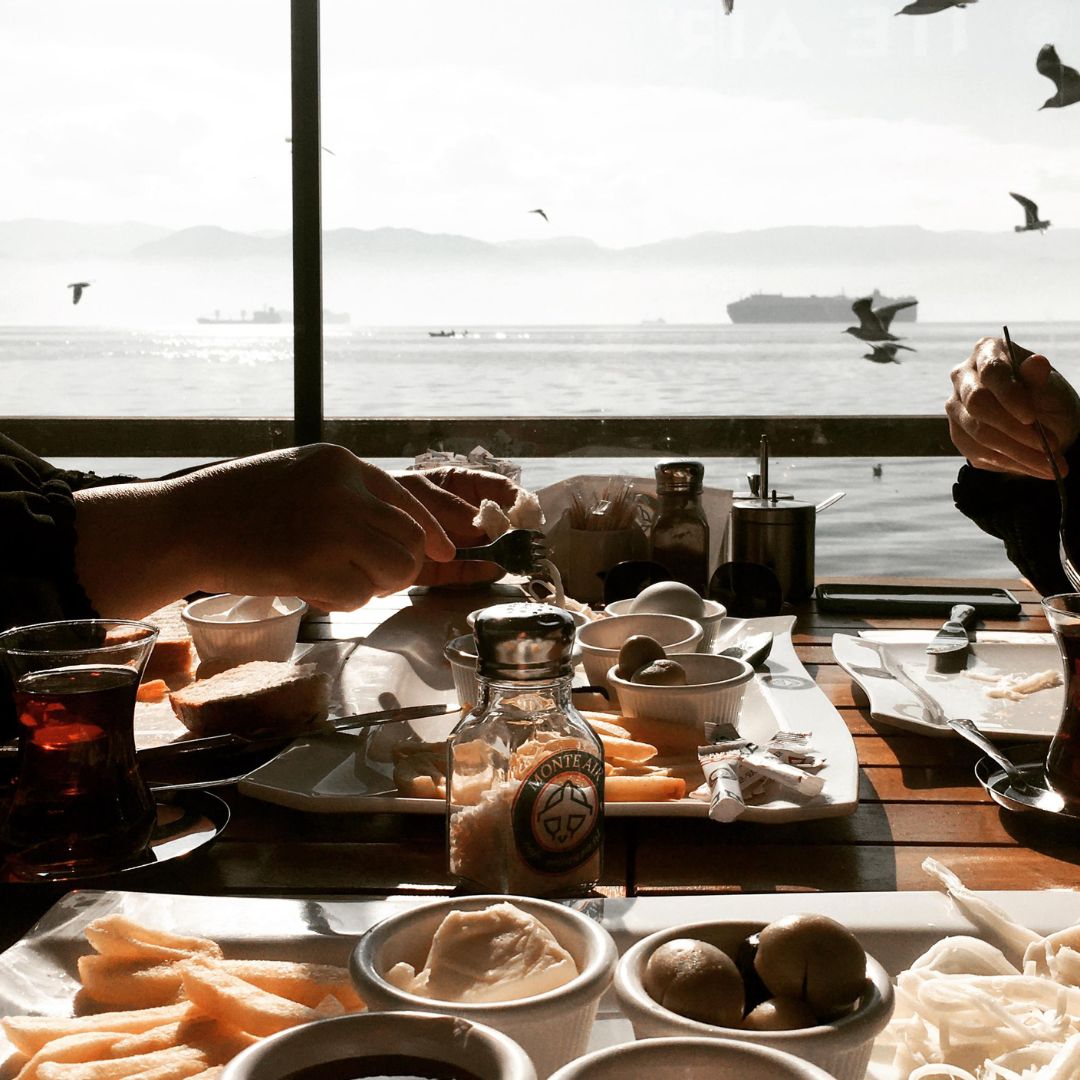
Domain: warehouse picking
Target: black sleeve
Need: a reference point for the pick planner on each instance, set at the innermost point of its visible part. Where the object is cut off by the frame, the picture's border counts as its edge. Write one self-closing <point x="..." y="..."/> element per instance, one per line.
<point x="1024" y="513"/>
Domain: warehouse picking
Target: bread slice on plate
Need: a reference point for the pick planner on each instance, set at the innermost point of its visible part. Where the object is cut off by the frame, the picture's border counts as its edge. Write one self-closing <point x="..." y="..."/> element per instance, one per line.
<point x="255" y="697"/>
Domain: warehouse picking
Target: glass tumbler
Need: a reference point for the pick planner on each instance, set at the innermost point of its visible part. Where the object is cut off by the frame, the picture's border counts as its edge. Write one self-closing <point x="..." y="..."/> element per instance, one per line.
<point x="1063" y="759"/>
<point x="78" y="804"/>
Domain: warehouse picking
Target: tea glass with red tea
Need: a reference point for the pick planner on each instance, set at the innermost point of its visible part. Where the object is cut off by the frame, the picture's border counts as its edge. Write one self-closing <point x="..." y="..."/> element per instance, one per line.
<point x="1063" y="760"/>
<point x="78" y="805"/>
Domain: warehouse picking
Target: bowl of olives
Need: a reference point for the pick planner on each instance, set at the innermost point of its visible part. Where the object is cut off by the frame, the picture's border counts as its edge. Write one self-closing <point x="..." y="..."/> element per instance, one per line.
<point x="602" y="640"/>
<point x="690" y="689"/>
<point x="802" y="984"/>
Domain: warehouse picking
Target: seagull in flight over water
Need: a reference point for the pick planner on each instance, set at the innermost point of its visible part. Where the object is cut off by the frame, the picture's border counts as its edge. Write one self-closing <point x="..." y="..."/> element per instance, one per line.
<point x="929" y="7"/>
<point x="540" y="212"/>
<point x="885" y="353"/>
<point x="729" y="6"/>
<point x="1031" y="215"/>
<point x="1066" y="79"/>
<point x="78" y="287"/>
<point x="874" y="322"/>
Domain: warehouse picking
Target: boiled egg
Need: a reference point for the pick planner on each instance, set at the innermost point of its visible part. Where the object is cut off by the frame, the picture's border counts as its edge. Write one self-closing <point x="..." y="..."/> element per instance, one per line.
<point x="668" y="598"/>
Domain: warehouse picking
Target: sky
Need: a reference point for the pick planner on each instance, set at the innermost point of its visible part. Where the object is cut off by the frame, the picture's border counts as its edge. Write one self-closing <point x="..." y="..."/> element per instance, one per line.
<point x="628" y="121"/>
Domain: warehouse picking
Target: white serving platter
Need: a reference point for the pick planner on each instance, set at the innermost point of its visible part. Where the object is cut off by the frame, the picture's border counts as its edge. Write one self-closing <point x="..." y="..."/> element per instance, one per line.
<point x="1036" y="717"/>
<point x="37" y="975"/>
<point x="401" y="664"/>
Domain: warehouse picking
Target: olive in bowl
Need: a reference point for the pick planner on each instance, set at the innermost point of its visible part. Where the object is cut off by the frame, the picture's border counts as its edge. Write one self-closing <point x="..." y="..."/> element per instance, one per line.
<point x="841" y="1044"/>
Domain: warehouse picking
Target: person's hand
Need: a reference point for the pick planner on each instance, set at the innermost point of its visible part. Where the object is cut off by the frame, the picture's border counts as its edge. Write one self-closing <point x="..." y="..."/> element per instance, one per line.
<point x="453" y="496"/>
<point x="316" y="522"/>
<point x="992" y="414"/>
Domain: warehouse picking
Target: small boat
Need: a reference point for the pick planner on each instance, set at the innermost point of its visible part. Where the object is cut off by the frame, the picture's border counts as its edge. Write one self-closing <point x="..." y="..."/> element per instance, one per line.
<point x="442" y="333"/>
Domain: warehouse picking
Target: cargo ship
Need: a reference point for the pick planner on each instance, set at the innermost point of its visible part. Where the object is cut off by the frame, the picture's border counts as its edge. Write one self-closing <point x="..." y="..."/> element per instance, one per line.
<point x="777" y="308"/>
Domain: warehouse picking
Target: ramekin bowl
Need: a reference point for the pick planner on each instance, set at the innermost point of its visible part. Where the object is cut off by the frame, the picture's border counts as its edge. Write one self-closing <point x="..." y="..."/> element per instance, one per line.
<point x="242" y="641"/>
<point x="552" y="1028"/>
<point x="711" y="619"/>
<point x="713" y="694"/>
<point x="842" y="1048"/>
<point x="601" y="640"/>
<point x="463" y="1044"/>
<point x="689" y="1059"/>
<point x="461" y="653"/>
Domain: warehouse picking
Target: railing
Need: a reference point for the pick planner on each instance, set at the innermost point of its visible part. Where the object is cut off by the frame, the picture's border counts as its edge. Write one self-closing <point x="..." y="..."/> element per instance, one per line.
<point x="516" y="436"/>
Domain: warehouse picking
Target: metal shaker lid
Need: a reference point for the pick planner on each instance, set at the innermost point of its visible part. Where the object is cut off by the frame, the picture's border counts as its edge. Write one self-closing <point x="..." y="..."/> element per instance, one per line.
<point x="772" y="512"/>
<point x="524" y="642"/>
<point x="679" y="475"/>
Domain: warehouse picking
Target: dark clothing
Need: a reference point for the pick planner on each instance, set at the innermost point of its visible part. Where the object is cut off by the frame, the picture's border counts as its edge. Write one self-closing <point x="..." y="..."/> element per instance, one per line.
<point x="1023" y="512"/>
<point x="37" y="537"/>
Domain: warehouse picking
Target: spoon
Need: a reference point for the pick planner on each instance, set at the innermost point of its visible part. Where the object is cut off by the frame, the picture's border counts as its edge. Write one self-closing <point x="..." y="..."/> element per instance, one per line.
<point x="754" y="649"/>
<point x="826" y="503"/>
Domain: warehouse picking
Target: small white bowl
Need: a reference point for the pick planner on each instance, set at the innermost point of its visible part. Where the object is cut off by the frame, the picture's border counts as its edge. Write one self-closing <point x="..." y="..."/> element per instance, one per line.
<point x="713" y="694"/>
<point x="711" y="619"/>
<point x="272" y="638"/>
<point x="601" y="640"/>
<point x="552" y="1028"/>
<point x="842" y="1048"/>
<point x="461" y="652"/>
<point x="462" y="1044"/>
<point x="689" y="1059"/>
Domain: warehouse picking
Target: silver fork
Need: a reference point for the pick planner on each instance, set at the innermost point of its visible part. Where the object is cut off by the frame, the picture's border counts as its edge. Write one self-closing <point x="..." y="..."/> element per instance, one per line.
<point x="517" y="551"/>
<point x="1067" y="564"/>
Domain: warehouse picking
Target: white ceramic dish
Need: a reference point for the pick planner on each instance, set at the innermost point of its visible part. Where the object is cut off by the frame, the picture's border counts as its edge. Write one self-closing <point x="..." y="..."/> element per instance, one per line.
<point x="460" y="1043"/>
<point x="711" y="620"/>
<point x="36" y="974"/>
<point x="714" y="690"/>
<point x="1036" y="717"/>
<point x="841" y="1048"/>
<point x="601" y="640"/>
<point x="353" y="773"/>
<point x="242" y="640"/>
<point x="552" y="1027"/>
<point x="689" y="1059"/>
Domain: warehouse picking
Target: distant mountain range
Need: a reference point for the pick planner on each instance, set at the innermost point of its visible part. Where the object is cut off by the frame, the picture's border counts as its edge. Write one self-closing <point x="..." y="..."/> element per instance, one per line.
<point x="38" y="239"/>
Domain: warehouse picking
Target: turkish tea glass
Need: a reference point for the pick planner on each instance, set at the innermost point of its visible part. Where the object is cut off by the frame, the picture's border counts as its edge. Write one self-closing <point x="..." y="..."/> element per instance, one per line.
<point x="1063" y="759"/>
<point x="79" y="805"/>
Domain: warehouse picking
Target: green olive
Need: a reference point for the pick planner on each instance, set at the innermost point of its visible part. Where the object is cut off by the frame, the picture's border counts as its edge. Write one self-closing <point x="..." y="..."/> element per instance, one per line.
<point x="696" y="980"/>
<point x="636" y="652"/>
<point x="661" y="673"/>
<point x="780" y="1014"/>
<point x="814" y="958"/>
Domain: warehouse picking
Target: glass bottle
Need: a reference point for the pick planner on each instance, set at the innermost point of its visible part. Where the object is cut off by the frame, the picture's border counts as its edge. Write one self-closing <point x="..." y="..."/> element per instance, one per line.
<point x="680" y="531"/>
<point x="525" y="790"/>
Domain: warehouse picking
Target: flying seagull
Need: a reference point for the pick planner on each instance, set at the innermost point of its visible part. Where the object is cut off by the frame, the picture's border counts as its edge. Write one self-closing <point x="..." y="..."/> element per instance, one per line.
<point x="1066" y="79"/>
<point x="874" y="322"/>
<point x="930" y="7"/>
<point x="78" y="287"/>
<point x="1031" y="215"/>
<point x="885" y="353"/>
<point x="540" y="212"/>
<point x="729" y="6"/>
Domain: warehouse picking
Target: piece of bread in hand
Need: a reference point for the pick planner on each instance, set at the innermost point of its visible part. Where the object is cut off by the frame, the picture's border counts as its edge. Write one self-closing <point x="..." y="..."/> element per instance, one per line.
<point x="255" y="697"/>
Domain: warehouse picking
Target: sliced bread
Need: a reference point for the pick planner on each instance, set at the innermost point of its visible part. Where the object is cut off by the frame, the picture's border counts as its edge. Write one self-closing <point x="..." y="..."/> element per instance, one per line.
<point x="173" y="657"/>
<point x="259" y="696"/>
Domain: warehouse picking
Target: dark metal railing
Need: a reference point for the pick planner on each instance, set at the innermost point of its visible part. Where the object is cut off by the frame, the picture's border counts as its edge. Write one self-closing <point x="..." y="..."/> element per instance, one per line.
<point x="515" y="436"/>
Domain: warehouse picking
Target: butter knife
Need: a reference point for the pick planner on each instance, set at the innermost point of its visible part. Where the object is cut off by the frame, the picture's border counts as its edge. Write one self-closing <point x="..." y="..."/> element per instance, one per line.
<point x="948" y="652"/>
<point x="232" y="743"/>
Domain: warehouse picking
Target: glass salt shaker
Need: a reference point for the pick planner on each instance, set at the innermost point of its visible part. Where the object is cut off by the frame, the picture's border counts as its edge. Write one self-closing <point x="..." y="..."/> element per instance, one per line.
<point x="525" y="782"/>
<point x="680" y="531"/>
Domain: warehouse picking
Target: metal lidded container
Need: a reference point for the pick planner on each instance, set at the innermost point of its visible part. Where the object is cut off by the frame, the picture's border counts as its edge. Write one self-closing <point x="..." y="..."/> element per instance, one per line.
<point x="524" y="643"/>
<point x="779" y="534"/>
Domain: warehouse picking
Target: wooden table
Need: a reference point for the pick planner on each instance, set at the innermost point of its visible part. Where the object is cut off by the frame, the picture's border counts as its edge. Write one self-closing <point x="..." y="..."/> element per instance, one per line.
<point x="918" y="797"/>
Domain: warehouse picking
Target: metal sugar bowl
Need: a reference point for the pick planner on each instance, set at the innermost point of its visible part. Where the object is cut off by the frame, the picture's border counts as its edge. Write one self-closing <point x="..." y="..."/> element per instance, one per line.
<point x="777" y="533"/>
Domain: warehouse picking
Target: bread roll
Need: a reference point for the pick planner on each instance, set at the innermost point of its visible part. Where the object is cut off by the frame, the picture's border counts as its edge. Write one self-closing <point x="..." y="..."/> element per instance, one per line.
<point x="254" y="697"/>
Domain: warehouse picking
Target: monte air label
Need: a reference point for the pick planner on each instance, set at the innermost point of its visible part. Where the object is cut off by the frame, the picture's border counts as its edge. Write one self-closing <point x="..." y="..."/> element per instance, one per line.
<point x="558" y="814"/>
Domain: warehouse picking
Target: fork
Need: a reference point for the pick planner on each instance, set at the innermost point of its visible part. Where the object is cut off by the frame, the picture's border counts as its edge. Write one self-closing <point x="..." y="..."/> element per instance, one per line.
<point x="516" y="551"/>
<point x="1067" y="564"/>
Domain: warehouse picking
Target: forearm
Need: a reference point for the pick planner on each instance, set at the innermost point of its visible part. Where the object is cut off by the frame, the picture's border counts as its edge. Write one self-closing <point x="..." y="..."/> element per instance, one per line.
<point x="134" y="548"/>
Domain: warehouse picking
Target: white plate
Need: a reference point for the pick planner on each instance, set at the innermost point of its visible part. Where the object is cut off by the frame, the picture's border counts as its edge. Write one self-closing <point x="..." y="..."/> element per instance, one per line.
<point x="1036" y="717"/>
<point x="402" y="662"/>
<point x="37" y="974"/>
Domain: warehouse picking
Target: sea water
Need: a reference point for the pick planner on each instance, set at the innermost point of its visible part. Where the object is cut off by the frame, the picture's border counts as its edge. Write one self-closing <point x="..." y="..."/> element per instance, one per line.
<point x="901" y="522"/>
